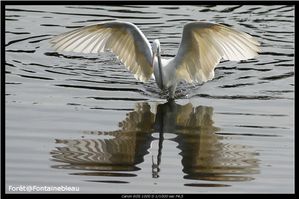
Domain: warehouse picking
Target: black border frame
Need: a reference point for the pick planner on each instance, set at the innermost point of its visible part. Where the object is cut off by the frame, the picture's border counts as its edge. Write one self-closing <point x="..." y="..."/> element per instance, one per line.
<point x="100" y="2"/>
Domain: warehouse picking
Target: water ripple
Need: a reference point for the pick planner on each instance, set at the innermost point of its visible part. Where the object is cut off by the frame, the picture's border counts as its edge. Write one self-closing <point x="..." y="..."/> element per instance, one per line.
<point x="23" y="39"/>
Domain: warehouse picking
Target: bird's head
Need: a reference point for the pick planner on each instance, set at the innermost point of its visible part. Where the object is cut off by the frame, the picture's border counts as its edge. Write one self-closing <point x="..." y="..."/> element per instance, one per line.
<point x="155" y="47"/>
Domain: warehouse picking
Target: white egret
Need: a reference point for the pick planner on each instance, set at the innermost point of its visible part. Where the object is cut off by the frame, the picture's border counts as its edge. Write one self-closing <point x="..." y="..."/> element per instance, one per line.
<point x="202" y="47"/>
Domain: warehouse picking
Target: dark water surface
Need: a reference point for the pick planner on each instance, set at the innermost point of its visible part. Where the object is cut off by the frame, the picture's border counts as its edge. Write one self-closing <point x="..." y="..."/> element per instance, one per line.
<point x="83" y="120"/>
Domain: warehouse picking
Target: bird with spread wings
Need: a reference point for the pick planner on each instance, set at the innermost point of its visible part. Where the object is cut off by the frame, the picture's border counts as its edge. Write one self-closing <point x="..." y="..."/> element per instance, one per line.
<point x="202" y="47"/>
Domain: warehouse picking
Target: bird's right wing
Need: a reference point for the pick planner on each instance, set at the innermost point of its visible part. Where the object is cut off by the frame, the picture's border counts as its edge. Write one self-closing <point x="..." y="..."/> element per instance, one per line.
<point x="123" y="38"/>
<point x="204" y="44"/>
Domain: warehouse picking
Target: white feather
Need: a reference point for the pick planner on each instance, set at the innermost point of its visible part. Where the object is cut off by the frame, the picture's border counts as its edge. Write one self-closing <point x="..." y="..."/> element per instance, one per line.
<point x="204" y="44"/>
<point x="122" y="38"/>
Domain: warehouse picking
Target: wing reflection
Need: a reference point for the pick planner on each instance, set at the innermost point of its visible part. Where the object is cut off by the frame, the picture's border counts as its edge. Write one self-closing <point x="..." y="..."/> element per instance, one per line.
<point x="206" y="154"/>
<point x="117" y="150"/>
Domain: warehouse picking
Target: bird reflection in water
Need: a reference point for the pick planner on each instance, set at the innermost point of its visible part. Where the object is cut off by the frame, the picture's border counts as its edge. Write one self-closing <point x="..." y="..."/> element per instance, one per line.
<point x="206" y="153"/>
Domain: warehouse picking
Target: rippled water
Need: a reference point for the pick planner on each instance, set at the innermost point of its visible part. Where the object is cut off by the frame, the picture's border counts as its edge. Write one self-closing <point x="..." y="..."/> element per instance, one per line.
<point x="83" y="120"/>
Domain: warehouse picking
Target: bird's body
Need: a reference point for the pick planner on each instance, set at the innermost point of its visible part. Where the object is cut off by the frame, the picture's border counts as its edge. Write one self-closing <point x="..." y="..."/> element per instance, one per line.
<point x="202" y="47"/>
<point x="165" y="75"/>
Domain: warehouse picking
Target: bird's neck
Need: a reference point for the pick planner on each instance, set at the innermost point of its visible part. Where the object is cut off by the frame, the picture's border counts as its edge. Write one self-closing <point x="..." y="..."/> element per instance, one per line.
<point x="158" y="70"/>
<point x="160" y="67"/>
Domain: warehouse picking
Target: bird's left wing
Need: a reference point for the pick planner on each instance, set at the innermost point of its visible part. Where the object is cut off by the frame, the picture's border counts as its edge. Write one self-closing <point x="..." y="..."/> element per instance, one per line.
<point x="204" y="44"/>
<point x="123" y="38"/>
